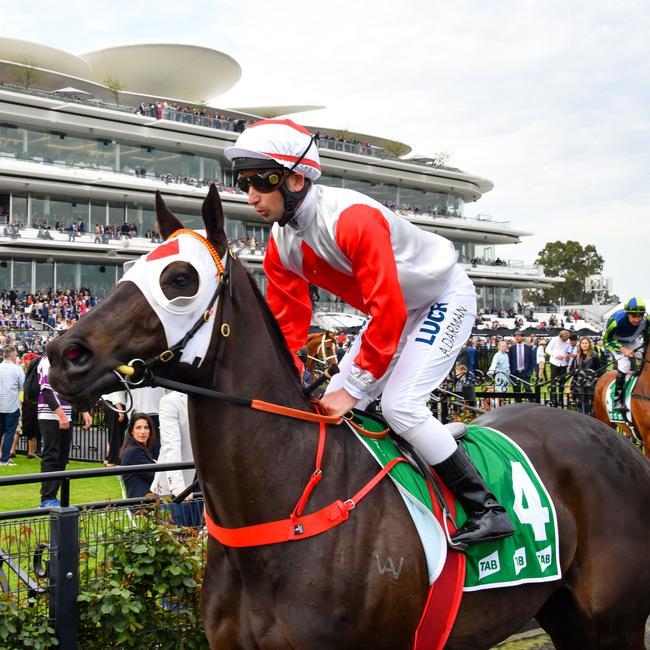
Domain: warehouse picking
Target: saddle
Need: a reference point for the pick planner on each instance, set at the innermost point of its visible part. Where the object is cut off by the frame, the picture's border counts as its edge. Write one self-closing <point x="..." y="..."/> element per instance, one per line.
<point x="363" y="422"/>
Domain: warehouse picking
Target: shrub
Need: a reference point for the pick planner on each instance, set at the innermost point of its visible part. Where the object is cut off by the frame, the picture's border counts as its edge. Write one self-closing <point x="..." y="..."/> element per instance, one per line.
<point x="147" y="594"/>
<point x="21" y="628"/>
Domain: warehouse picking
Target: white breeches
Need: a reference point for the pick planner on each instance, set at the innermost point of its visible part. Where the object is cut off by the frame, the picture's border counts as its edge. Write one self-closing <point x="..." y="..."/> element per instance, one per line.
<point x="623" y="363"/>
<point x="428" y="347"/>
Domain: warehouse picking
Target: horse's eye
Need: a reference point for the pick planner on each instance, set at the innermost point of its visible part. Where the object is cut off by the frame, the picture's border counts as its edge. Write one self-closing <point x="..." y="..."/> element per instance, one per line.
<point x="181" y="280"/>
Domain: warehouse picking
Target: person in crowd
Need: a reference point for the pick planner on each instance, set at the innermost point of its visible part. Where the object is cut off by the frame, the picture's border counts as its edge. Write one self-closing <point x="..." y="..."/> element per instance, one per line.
<point x="540" y="357"/>
<point x="138" y="449"/>
<point x="12" y="379"/>
<point x="626" y="335"/>
<point x="559" y="355"/>
<point x="55" y="424"/>
<point x="176" y="447"/>
<point x="522" y="363"/>
<point x="31" y="429"/>
<point x="421" y="303"/>
<point x="584" y="369"/>
<point x="147" y="400"/>
<point x="573" y="349"/>
<point x="604" y="354"/>
<point x="500" y="368"/>
<point x="471" y="358"/>
<point x="340" y="352"/>
<point x="462" y="385"/>
<point x="116" y="423"/>
<point x="307" y="377"/>
<point x="460" y="378"/>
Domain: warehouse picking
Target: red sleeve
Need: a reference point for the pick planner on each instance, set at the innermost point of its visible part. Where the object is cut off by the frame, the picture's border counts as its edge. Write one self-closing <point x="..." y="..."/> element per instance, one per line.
<point x="363" y="234"/>
<point x="288" y="298"/>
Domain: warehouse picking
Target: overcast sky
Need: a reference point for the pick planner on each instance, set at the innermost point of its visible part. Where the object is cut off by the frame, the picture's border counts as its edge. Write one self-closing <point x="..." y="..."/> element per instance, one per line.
<point x="547" y="99"/>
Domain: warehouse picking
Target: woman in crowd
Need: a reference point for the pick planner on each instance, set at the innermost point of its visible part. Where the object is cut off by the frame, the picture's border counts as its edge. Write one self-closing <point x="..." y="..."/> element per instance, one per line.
<point x="500" y="368"/>
<point x="138" y="449"/>
<point x="584" y="370"/>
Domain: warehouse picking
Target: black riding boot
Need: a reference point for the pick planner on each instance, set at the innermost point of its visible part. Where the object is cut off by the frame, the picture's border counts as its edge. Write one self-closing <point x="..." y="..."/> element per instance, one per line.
<point x="619" y="392"/>
<point x="488" y="519"/>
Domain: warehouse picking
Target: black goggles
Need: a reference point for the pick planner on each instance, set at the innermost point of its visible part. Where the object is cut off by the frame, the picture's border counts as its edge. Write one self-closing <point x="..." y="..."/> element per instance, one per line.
<point x="263" y="182"/>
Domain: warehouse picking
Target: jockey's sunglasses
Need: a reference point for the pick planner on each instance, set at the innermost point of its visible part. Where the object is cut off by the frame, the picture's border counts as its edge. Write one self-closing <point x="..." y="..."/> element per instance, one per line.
<point x="263" y="182"/>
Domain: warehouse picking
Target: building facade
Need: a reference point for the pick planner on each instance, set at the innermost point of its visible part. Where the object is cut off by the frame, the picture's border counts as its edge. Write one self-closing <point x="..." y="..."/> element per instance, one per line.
<point x="78" y="178"/>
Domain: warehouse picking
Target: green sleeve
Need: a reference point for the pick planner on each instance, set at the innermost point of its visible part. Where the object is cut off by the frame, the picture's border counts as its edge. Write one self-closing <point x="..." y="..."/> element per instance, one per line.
<point x="609" y="338"/>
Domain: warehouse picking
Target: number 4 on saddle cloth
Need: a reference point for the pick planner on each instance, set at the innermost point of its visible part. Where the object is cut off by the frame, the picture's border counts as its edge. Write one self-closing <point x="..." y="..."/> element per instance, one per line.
<point x="530" y="555"/>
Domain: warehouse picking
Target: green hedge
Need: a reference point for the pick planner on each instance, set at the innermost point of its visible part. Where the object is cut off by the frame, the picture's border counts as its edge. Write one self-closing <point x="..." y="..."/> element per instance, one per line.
<point x="145" y="595"/>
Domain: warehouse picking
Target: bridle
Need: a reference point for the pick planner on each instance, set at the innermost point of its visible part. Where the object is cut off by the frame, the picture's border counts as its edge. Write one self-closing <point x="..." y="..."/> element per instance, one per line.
<point x="321" y="351"/>
<point x="140" y="372"/>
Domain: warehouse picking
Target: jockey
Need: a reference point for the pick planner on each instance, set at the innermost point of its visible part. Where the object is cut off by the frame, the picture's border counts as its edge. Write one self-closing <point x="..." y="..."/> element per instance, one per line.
<point x="626" y="335"/>
<point x="421" y="303"/>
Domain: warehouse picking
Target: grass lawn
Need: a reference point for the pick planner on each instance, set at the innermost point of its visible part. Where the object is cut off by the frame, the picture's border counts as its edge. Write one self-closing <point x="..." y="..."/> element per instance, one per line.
<point x="22" y="497"/>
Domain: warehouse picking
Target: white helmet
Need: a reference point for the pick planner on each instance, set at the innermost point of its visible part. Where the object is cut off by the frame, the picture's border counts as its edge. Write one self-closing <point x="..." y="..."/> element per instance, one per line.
<point x="286" y="143"/>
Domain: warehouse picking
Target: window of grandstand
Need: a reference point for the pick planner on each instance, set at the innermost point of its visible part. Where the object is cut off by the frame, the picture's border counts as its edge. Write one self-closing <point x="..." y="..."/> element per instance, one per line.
<point x="57" y="212"/>
<point x="5" y="273"/>
<point x="107" y="155"/>
<point x="44" y="278"/>
<point x="22" y="275"/>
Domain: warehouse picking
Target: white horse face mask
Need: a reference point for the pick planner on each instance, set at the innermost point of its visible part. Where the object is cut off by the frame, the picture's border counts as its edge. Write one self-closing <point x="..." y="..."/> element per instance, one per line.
<point x="178" y="315"/>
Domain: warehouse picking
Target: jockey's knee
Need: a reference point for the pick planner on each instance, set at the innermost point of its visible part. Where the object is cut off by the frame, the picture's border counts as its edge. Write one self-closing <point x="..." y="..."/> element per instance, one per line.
<point x="403" y="415"/>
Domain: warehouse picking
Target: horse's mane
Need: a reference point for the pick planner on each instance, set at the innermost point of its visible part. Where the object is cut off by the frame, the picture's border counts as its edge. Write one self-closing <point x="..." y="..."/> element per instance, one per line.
<point x="271" y="323"/>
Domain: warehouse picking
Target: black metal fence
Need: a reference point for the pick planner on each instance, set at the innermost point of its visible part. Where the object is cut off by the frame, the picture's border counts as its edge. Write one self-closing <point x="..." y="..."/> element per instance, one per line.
<point x="87" y="445"/>
<point x="54" y="560"/>
<point x="573" y="391"/>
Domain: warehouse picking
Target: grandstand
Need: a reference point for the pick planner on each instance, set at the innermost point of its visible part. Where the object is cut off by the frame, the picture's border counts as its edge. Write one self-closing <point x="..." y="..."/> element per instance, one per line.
<point x="79" y="169"/>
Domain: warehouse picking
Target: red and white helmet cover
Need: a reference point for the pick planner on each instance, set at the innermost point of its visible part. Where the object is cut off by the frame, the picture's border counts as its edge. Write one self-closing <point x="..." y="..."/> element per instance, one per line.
<point x="283" y="141"/>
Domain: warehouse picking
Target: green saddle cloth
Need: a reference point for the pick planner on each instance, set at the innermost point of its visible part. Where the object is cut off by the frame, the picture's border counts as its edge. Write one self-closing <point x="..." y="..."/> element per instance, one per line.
<point x="532" y="553"/>
<point x="615" y="415"/>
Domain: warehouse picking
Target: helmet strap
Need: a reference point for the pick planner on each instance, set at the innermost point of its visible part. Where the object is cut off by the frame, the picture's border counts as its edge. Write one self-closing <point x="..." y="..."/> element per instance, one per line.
<point x="292" y="199"/>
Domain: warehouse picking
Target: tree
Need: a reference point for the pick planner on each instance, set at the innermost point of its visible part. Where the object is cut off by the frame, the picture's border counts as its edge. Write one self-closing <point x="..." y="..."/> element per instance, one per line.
<point x="27" y="75"/>
<point x="393" y="148"/>
<point x="115" y="86"/>
<point x="441" y="158"/>
<point x="573" y="262"/>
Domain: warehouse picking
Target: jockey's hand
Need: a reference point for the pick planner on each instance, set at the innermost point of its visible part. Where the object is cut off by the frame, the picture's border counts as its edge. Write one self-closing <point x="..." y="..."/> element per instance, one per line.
<point x="338" y="402"/>
<point x="626" y="351"/>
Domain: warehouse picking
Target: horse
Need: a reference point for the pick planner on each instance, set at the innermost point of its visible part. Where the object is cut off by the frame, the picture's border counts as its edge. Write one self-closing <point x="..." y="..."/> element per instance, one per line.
<point x="329" y="590"/>
<point x="639" y="404"/>
<point x="321" y="350"/>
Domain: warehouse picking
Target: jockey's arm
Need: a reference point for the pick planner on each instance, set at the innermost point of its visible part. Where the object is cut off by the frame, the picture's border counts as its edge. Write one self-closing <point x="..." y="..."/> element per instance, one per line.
<point x="609" y="336"/>
<point x="363" y="235"/>
<point x="288" y="297"/>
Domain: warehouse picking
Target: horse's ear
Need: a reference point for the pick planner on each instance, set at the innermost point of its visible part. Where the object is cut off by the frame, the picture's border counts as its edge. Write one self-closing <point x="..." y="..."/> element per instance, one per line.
<point x="167" y="222"/>
<point x="214" y="220"/>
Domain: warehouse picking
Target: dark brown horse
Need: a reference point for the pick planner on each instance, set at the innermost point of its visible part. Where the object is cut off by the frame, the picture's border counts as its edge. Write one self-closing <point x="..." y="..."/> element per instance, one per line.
<point x="321" y="351"/>
<point x="329" y="591"/>
<point x="639" y="404"/>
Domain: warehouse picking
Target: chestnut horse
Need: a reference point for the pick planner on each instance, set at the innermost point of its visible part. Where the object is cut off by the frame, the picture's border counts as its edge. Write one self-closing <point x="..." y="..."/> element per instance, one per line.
<point x="329" y="591"/>
<point x="321" y="351"/>
<point x="639" y="403"/>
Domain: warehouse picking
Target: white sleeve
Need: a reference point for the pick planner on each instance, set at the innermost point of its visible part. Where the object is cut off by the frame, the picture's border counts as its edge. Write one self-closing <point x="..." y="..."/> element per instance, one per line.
<point x="170" y="440"/>
<point x="550" y="348"/>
